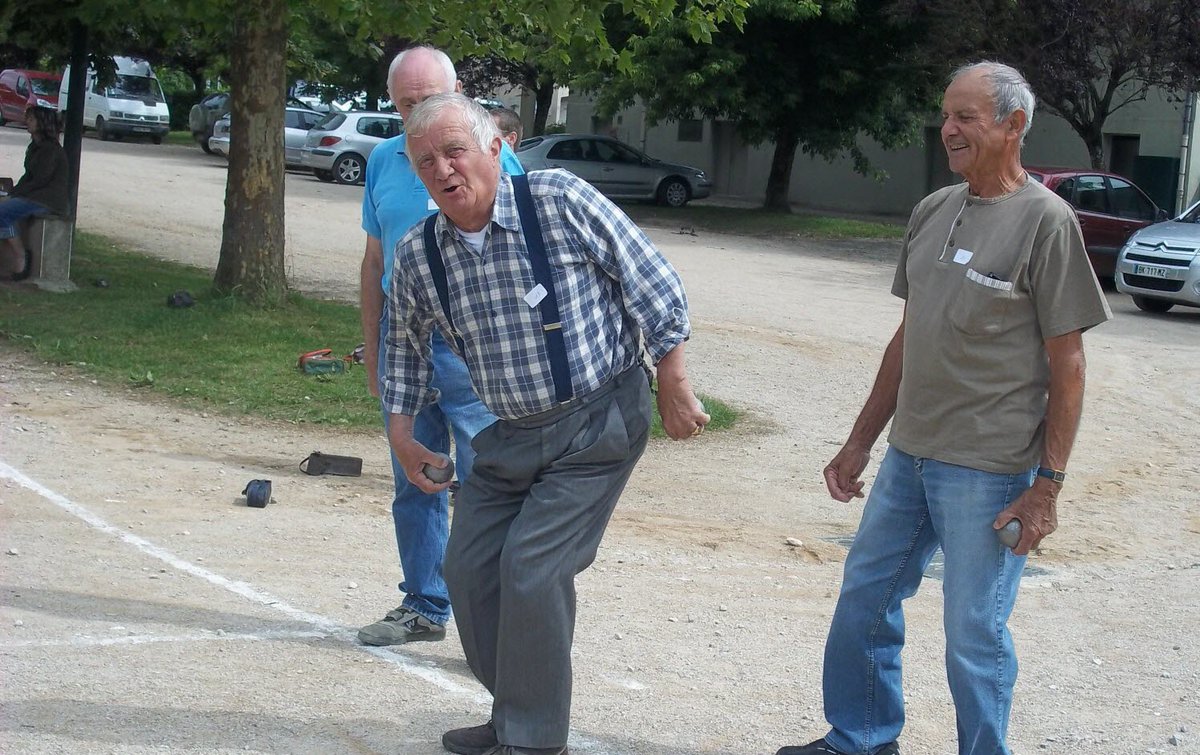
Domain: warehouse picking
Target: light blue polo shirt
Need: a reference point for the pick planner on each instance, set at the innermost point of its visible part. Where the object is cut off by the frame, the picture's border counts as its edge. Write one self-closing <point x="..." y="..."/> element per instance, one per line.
<point x="395" y="200"/>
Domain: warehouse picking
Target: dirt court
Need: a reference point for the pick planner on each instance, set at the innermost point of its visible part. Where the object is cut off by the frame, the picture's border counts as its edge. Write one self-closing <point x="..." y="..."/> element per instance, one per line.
<point x="144" y="608"/>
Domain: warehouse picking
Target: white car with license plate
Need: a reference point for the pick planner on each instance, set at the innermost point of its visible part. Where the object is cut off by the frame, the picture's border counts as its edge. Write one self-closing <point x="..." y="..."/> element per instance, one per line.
<point x="1160" y="265"/>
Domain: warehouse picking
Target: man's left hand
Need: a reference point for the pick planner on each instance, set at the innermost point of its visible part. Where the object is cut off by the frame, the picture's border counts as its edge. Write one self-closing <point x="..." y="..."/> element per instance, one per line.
<point x="683" y="415"/>
<point x="1037" y="508"/>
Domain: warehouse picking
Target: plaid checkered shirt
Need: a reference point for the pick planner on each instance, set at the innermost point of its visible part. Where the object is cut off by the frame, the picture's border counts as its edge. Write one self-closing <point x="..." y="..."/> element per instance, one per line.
<point x="608" y="276"/>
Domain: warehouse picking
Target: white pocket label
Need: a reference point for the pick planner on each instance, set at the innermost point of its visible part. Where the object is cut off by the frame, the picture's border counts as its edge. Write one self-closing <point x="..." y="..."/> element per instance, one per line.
<point x="984" y="280"/>
<point x="962" y="256"/>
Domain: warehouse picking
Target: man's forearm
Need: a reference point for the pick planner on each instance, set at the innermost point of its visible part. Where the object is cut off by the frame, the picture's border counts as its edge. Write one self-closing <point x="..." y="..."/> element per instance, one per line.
<point x="1064" y="403"/>
<point x="370" y="293"/>
<point x="881" y="403"/>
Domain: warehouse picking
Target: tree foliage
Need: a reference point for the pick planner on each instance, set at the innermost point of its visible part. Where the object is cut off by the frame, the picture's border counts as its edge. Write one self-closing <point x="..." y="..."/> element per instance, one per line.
<point x="807" y="75"/>
<point x="252" y="248"/>
<point x="1084" y="59"/>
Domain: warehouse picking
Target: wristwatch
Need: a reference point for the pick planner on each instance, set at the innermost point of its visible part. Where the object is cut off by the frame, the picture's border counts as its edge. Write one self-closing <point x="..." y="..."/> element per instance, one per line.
<point x="1052" y="474"/>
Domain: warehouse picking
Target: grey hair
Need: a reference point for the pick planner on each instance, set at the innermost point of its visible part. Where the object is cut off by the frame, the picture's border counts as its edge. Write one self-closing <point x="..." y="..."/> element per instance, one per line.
<point x="477" y="120"/>
<point x="1010" y="91"/>
<point x="442" y="58"/>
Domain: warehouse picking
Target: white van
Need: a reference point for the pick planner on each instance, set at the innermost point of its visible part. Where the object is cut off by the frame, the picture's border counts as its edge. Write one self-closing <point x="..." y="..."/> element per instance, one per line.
<point x="132" y="105"/>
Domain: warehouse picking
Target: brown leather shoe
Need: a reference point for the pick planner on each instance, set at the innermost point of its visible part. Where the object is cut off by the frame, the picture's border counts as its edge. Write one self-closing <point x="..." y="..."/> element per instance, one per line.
<point x="472" y="740"/>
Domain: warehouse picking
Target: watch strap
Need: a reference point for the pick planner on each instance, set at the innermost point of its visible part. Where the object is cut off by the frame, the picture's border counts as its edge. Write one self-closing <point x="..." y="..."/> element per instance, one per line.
<point x="1052" y="474"/>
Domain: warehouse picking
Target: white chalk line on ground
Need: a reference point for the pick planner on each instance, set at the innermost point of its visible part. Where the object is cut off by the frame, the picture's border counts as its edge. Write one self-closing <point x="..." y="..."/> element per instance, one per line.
<point x="83" y="641"/>
<point x="326" y="626"/>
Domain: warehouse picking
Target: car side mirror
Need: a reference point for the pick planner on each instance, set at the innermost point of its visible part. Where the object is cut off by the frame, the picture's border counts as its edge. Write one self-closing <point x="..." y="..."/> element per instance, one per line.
<point x="1161" y="215"/>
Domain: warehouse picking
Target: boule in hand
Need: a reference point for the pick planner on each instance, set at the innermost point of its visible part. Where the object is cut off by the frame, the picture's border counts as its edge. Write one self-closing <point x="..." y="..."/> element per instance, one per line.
<point x="442" y="474"/>
<point x="1010" y="534"/>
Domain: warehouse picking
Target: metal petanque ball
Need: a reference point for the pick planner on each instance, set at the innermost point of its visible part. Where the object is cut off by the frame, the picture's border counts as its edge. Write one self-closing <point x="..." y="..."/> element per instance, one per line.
<point x="439" y="475"/>
<point x="1010" y="534"/>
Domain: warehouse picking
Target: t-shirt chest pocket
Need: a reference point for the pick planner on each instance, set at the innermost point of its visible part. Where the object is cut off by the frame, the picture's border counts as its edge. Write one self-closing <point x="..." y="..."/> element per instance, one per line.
<point x="982" y="303"/>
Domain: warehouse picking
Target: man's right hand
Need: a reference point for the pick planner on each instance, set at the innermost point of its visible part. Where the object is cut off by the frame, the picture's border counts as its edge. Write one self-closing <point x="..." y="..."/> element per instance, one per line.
<point x="413" y="457"/>
<point x="841" y="474"/>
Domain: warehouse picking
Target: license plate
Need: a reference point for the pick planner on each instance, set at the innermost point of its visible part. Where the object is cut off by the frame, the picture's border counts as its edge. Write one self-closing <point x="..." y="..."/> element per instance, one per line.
<point x="142" y="129"/>
<point x="1152" y="272"/>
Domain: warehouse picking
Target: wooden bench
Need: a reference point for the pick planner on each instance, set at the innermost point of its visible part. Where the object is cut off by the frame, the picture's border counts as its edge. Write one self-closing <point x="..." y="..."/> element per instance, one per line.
<point x="51" y="238"/>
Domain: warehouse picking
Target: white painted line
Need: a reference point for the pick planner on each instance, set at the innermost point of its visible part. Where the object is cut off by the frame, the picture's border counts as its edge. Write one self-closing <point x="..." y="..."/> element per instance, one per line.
<point x="83" y="641"/>
<point x="325" y="625"/>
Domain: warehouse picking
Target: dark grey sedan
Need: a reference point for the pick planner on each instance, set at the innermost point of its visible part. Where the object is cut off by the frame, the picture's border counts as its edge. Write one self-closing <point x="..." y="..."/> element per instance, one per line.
<point x="616" y="169"/>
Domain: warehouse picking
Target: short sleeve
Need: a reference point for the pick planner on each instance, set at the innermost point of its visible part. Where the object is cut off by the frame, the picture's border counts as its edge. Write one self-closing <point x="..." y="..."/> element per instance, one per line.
<point x="1066" y="294"/>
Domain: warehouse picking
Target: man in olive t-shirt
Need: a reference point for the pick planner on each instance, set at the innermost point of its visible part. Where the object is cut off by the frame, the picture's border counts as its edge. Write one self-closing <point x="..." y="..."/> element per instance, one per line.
<point x="983" y="382"/>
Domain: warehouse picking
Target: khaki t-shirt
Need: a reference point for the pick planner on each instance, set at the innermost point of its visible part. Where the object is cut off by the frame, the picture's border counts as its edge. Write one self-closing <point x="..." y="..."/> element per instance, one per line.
<point x="987" y="282"/>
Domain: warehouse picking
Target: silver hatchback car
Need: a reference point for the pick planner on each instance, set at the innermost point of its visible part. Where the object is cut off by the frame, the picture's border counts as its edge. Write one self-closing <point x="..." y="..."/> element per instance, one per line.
<point x="616" y="169"/>
<point x="337" y="148"/>
<point x="296" y="123"/>
<point x="1160" y="264"/>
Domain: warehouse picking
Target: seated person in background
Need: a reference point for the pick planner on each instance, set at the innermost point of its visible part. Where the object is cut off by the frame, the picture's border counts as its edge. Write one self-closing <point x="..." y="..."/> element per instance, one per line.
<point x="43" y="190"/>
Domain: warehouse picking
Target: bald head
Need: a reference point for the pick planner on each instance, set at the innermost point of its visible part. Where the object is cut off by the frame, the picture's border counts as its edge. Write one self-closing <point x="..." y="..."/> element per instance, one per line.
<point x="418" y="73"/>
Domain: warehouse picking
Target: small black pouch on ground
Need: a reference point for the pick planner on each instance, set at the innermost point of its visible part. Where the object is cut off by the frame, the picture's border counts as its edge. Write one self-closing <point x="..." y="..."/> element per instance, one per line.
<point x="318" y="463"/>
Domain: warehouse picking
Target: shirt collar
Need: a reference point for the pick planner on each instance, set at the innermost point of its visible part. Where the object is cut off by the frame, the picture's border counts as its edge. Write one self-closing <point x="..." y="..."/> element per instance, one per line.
<point x="504" y="210"/>
<point x="401" y="144"/>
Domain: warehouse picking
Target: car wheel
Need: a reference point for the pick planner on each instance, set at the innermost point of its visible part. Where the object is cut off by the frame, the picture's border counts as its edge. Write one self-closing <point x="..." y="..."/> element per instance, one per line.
<point x="2" y="121"/>
<point x="349" y="169"/>
<point x="101" y="129"/>
<point x="156" y="139"/>
<point x="324" y="175"/>
<point x="673" y="192"/>
<point x="1157" y="306"/>
<point x="203" y="142"/>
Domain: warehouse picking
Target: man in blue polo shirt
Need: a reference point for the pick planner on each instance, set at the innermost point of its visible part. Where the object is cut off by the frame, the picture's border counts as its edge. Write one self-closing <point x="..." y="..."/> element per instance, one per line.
<point x="394" y="200"/>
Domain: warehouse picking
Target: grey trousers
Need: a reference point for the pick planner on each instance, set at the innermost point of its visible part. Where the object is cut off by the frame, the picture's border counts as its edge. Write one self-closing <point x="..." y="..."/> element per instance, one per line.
<point x="529" y="518"/>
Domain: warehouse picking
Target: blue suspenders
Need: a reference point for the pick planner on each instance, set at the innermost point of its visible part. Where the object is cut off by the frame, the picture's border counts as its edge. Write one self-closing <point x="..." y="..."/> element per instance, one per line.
<point x="535" y="245"/>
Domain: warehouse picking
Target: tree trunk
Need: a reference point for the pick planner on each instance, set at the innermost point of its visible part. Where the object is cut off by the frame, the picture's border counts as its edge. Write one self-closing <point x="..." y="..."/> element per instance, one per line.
<point x="543" y="96"/>
<point x="199" y="83"/>
<point x="73" y="132"/>
<point x="1095" y="147"/>
<point x="252" y="243"/>
<point x="780" y="180"/>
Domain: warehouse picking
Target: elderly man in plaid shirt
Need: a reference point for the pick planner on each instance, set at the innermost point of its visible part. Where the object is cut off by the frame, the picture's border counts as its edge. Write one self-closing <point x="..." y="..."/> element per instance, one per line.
<point x="547" y="290"/>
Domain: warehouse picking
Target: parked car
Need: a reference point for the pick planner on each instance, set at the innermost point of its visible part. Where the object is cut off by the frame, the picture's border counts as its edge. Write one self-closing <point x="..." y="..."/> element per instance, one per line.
<point x="337" y="147"/>
<point x="296" y="124"/>
<point x="203" y="116"/>
<point x="617" y="170"/>
<point x="132" y="105"/>
<point x="1109" y="208"/>
<point x="21" y="89"/>
<point x="1160" y="265"/>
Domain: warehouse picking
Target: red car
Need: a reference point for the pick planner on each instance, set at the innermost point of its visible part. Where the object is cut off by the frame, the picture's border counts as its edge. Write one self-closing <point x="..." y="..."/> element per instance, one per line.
<point x="21" y="90"/>
<point x="1110" y="208"/>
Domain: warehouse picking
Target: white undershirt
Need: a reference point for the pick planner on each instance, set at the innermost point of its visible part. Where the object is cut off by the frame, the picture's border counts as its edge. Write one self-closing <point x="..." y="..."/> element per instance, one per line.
<point x="473" y="239"/>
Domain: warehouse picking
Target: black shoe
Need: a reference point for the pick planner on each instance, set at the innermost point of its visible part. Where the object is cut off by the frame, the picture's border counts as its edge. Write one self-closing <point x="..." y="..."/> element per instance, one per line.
<point x="821" y="747"/>
<point x="510" y="750"/>
<point x="472" y="740"/>
<point x="28" y="271"/>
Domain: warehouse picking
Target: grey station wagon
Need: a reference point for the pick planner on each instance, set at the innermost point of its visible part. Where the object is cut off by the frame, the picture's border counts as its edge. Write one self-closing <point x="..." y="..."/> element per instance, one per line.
<point x="617" y="170"/>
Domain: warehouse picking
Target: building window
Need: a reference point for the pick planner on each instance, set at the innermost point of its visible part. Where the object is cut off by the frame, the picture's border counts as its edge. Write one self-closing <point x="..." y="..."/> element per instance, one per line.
<point x="691" y="130"/>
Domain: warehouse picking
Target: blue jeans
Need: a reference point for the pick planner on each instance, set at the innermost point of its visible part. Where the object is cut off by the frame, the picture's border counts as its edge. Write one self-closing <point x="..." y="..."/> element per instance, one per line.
<point x="15" y="209"/>
<point x="422" y="520"/>
<point x="916" y="505"/>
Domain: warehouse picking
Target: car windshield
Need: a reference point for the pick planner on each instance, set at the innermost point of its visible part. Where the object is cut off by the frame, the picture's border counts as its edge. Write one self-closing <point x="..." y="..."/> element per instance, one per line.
<point x="136" y="88"/>
<point x="44" y="86"/>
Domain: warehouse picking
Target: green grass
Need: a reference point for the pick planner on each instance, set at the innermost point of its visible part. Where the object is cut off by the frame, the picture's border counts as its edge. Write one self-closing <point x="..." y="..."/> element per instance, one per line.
<point x="218" y="355"/>
<point x="180" y="137"/>
<point x="758" y="222"/>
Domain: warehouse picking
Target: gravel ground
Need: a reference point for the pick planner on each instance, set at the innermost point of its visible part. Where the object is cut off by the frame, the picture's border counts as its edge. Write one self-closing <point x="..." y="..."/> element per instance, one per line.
<point x="145" y="609"/>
